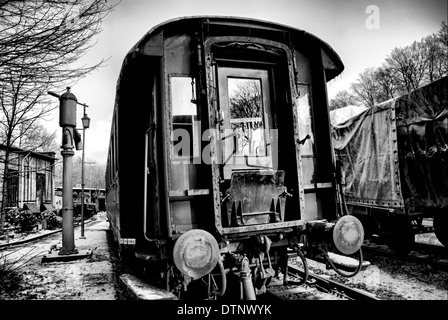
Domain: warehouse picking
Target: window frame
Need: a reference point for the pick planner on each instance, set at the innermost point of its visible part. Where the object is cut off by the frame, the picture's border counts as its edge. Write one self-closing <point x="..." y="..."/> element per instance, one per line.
<point x="195" y="139"/>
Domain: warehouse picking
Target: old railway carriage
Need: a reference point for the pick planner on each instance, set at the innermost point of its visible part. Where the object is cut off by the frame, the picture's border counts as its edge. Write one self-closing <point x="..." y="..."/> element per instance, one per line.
<point x="220" y="155"/>
<point x="395" y="161"/>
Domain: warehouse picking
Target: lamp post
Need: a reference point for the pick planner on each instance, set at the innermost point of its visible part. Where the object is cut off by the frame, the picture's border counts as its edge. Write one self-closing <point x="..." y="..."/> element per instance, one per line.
<point x="85" y="125"/>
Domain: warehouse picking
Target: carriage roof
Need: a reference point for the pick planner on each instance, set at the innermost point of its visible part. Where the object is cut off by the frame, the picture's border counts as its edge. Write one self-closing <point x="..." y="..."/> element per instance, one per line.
<point x="332" y="63"/>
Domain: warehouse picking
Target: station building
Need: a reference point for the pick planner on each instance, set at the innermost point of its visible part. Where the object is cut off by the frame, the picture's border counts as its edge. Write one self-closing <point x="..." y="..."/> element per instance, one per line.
<point x="30" y="180"/>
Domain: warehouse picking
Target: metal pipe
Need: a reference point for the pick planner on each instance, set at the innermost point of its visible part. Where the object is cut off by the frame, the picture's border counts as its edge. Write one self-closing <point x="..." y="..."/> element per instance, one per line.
<point x="51" y="93"/>
<point x="82" y="181"/>
<point x="340" y="272"/>
<point x="68" y="232"/>
<point x="82" y="178"/>
<point x="145" y="187"/>
<point x="246" y="281"/>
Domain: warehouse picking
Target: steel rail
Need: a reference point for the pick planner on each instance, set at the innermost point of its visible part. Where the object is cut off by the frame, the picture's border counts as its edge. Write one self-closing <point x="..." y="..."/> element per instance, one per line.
<point x="331" y="285"/>
<point x="435" y="257"/>
<point x="36" y="238"/>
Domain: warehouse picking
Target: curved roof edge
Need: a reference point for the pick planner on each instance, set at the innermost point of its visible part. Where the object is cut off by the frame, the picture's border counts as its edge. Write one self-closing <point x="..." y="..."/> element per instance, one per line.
<point x="325" y="46"/>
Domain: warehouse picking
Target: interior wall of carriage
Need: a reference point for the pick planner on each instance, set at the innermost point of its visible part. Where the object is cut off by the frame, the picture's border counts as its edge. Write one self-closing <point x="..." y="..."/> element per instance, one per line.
<point x="188" y="177"/>
<point x="30" y="179"/>
<point x="313" y="68"/>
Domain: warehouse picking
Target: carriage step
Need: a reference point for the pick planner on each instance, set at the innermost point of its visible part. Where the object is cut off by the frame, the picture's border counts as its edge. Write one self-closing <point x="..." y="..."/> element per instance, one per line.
<point x="140" y="290"/>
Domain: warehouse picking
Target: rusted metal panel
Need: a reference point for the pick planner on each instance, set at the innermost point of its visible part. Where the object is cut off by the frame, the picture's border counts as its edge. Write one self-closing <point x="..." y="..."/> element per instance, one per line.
<point x="177" y="55"/>
<point x="154" y="45"/>
<point x="327" y="62"/>
<point x="245" y="230"/>
<point x="255" y="197"/>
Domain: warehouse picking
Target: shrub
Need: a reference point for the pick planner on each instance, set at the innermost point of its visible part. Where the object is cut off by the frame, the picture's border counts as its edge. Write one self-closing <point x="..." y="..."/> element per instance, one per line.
<point x="11" y="216"/>
<point x="27" y="220"/>
<point x="54" y="221"/>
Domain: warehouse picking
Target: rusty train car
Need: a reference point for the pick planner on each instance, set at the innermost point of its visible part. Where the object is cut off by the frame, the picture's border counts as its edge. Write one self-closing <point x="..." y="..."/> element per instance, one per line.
<point x="220" y="159"/>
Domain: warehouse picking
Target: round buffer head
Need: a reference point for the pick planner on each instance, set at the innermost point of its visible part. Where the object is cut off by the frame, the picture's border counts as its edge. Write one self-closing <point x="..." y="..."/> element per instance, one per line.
<point x="348" y="235"/>
<point x="196" y="253"/>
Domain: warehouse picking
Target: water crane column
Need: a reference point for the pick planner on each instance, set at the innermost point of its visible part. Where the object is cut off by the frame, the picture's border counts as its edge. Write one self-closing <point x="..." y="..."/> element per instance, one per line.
<point x="70" y="139"/>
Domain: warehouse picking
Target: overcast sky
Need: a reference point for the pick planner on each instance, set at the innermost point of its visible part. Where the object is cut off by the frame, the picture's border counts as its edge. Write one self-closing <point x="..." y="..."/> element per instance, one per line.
<point x="340" y="23"/>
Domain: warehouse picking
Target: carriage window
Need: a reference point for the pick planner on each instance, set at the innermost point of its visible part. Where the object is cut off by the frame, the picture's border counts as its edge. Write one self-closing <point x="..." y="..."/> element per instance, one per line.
<point x="184" y="117"/>
<point x="246" y="116"/>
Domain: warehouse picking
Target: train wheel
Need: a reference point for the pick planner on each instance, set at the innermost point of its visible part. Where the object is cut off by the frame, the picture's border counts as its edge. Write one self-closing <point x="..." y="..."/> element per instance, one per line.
<point x="400" y="236"/>
<point x="441" y="228"/>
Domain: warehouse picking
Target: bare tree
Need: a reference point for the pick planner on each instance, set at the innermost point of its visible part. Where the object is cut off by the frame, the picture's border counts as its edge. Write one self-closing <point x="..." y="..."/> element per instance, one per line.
<point x="409" y="64"/>
<point x="49" y="34"/>
<point x="246" y="100"/>
<point x="246" y="110"/>
<point x="436" y="46"/>
<point x="342" y="99"/>
<point x="366" y="88"/>
<point x="40" y="43"/>
<point x="38" y="139"/>
<point x="388" y="86"/>
<point x="435" y="58"/>
<point x="442" y="38"/>
<point x="94" y="174"/>
<point x="403" y="71"/>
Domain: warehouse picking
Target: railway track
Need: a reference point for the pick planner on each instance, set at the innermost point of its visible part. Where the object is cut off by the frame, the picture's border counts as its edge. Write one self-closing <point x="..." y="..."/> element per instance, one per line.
<point x="316" y="288"/>
<point x="429" y="254"/>
<point x="36" y="236"/>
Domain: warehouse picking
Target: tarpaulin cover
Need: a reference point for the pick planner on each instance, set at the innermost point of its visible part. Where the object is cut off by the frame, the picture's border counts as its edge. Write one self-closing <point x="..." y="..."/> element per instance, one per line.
<point x="395" y="153"/>
<point x="341" y="115"/>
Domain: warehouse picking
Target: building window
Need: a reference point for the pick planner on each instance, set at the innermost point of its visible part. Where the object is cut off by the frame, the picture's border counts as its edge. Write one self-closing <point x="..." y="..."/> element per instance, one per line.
<point x="40" y="187"/>
<point x="13" y="187"/>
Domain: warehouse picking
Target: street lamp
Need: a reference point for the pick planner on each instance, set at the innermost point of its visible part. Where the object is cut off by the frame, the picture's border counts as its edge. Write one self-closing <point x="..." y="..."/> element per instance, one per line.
<point x="85" y="125"/>
<point x="85" y="121"/>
